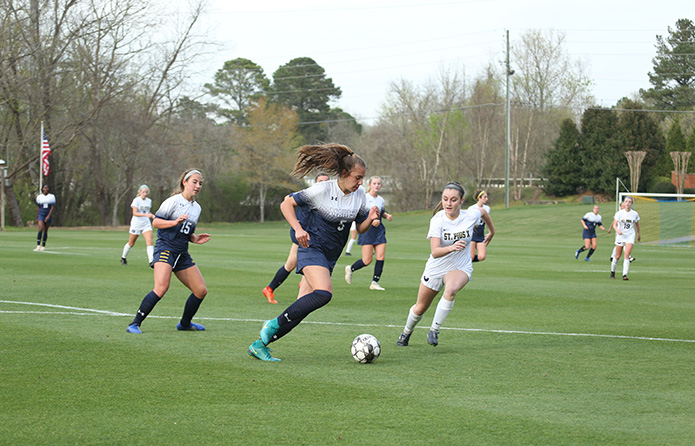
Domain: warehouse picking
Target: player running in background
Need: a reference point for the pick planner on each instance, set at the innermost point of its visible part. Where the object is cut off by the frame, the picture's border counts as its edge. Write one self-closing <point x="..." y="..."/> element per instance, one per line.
<point x="175" y="221"/>
<point x="626" y="223"/>
<point x="327" y="209"/>
<point x="478" y="248"/>
<point x="589" y="222"/>
<point x="374" y="240"/>
<point x="290" y="263"/>
<point x="140" y="224"/>
<point x="45" y="203"/>
<point x="450" y="265"/>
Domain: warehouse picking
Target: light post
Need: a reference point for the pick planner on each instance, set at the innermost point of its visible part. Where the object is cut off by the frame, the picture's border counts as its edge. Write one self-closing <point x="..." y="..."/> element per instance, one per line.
<point x="509" y="72"/>
<point x="2" y="195"/>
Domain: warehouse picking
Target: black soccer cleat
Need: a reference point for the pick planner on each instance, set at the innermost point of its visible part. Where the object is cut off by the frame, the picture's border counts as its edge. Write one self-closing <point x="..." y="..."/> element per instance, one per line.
<point x="403" y="340"/>
<point x="124" y="261"/>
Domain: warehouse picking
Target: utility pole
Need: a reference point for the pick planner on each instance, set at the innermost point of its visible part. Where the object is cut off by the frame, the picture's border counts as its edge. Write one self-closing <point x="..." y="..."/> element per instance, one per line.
<point x="506" y="178"/>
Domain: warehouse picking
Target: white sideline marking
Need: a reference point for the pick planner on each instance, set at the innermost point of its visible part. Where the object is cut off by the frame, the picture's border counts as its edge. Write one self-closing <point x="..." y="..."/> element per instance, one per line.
<point x="91" y="312"/>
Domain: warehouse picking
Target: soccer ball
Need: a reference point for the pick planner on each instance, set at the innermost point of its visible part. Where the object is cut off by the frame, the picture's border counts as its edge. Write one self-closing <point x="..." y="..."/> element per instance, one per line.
<point x="365" y="348"/>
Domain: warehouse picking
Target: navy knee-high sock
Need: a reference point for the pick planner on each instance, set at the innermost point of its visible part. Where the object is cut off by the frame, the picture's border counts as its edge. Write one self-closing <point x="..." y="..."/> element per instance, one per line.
<point x="45" y="237"/>
<point x="38" y="238"/>
<point x="280" y="277"/>
<point x="358" y="265"/>
<point x="146" y="307"/>
<point x="591" y="251"/>
<point x="301" y="308"/>
<point x="190" y="309"/>
<point x="378" y="269"/>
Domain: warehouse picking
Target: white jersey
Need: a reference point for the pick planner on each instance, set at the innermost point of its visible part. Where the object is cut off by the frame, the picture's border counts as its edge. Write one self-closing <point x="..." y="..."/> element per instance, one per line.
<point x="377" y="201"/>
<point x="626" y="221"/>
<point x="45" y="201"/>
<point x="450" y="231"/>
<point x="143" y="207"/>
<point x="138" y="225"/>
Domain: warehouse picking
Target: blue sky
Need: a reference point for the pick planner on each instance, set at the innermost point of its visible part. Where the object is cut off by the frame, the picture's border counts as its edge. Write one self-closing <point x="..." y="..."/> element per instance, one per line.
<point x="365" y="45"/>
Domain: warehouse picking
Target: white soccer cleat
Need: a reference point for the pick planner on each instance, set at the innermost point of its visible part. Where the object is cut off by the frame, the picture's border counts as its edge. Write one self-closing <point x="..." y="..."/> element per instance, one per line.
<point x="38" y="248"/>
<point x="376" y="286"/>
<point x="348" y="274"/>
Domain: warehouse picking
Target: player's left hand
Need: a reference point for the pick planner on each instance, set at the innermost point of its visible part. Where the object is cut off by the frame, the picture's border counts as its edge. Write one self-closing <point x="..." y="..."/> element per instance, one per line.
<point x="200" y="238"/>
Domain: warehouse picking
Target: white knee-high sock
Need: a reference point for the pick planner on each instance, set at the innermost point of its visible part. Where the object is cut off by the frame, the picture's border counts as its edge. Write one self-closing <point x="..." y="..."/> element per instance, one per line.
<point x="412" y="321"/>
<point x="613" y="264"/>
<point x="613" y="253"/>
<point x="443" y="309"/>
<point x="626" y="265"/>
<point x="349" y="246"/>
<point x="126" y="248"/>
<point x="150" y="253"/>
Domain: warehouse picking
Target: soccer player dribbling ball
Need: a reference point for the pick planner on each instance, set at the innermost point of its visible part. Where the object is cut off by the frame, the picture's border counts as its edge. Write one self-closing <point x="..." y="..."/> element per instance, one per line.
<point x="175" y="221"/>
<point x="327" y="210"/>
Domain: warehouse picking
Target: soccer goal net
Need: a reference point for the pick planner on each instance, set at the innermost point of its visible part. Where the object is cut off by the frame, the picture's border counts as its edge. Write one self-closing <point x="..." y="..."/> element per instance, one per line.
<point x="665" y="219"/>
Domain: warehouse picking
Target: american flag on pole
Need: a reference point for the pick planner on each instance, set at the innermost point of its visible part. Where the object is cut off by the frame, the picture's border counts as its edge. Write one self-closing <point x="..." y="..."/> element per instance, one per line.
<point x="45" y="151"/>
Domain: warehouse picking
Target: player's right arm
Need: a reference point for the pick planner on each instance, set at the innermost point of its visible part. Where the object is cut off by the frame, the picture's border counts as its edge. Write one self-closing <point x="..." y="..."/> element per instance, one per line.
<point x="288" y="208"/>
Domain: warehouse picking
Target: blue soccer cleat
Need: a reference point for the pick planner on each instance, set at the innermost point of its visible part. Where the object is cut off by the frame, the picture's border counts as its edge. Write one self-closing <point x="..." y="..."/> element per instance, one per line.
<point x="587" y="259"/>
<point x="268" y="331"/>
<point x="260" y="351"/>
<point x="433" y="338"/>
<point x="192" y="327"/>
<point x="576" y="254"/>
<point x="133" y="328"/>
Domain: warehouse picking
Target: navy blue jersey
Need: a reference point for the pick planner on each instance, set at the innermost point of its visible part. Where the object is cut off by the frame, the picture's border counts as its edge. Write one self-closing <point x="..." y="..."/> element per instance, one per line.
<point x="592" y="220"/>
<point x="177" y="237"/>
<point x="326" y="214"/>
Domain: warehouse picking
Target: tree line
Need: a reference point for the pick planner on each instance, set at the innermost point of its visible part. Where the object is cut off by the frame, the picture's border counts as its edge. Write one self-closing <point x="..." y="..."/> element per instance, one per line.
<point x="111" y="100"/>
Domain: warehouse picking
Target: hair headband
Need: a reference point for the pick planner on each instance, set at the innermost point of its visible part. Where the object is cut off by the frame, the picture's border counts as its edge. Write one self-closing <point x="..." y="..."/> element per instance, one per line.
<point x="144" y="186"/>
<point x="480" y="194"/>
<point x="188" y="175"/>
<point x="455" y="185"/>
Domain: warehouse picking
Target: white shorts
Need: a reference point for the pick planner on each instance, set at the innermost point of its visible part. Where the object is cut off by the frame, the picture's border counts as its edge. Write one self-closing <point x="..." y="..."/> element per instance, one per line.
<point x="138" y="226"/>
<point x="436" y="282"/>
<point x="622" y="240"/>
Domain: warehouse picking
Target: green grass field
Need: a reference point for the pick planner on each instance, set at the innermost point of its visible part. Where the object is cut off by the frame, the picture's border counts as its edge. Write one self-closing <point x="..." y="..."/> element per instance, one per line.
<point x="540" y="348"/>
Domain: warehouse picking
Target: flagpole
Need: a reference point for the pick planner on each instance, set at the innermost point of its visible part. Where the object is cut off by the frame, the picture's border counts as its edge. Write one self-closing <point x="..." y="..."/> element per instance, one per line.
<point x="40" y="159"/>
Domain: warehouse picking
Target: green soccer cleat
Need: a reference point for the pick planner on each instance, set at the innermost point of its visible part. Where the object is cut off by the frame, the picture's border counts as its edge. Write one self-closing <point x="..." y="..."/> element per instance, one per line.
<point x="260" y="351"/>
<point x="268" y="331"/>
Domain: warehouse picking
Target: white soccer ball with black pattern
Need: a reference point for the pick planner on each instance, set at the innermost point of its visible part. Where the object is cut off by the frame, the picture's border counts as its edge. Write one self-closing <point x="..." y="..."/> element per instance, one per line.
<point x="365" y="348"/>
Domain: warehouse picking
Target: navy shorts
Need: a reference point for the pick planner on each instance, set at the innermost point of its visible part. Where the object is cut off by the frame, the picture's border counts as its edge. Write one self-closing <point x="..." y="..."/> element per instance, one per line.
<point x="42" y="216"/>
<point x="178" y="260"/>
<point x="478" y="234"/>
<point x="373" y="236"/>
<point x="588" y="234"/>
<point x="312" y="256"/>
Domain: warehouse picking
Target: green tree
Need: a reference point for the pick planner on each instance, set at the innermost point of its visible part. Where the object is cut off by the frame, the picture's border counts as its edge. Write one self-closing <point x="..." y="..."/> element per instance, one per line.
<point x="641" y="131"/>
<point x="563" y="167"/>
<point x="673" y="78"/>
<point x="690" y="147"/>
<point x="266" y="149"/>
<point x="675" y="142"/>
<point x="603" y="154"/>
<point x="237" y="84"/>
<point x="302" y="85"/>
